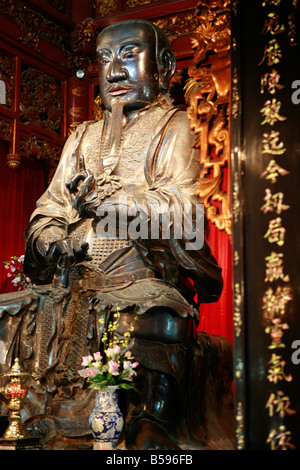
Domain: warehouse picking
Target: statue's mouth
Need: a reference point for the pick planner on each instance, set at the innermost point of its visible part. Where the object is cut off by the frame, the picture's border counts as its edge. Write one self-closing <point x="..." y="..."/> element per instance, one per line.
<point x="116" y="90"/>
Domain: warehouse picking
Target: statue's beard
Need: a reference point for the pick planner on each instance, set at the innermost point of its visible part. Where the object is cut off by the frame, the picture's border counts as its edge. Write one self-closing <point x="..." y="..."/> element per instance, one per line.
<point x="115" y="125"/>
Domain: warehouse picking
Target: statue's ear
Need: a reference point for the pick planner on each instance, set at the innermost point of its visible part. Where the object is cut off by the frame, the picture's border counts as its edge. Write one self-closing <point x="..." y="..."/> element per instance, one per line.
<point x="167" y="69"/>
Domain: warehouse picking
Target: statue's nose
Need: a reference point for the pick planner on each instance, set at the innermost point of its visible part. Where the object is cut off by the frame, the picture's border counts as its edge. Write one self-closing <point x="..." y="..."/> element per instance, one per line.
<point x="116" y="71"/>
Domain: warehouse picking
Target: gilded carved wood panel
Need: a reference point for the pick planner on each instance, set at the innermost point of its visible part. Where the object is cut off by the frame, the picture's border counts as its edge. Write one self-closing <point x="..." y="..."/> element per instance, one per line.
<point x="207" y="93"/>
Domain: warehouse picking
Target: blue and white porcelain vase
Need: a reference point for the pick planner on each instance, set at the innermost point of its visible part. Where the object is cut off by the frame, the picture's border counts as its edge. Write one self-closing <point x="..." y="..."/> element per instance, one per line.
<point x="106" y="420"/>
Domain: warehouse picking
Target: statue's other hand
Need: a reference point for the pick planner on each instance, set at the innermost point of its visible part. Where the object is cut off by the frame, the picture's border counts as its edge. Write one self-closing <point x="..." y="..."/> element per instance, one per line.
<point x="64" y="254"/>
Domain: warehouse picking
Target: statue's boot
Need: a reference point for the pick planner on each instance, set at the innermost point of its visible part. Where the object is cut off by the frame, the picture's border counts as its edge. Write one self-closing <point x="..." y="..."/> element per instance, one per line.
<point x="155" y="411"/>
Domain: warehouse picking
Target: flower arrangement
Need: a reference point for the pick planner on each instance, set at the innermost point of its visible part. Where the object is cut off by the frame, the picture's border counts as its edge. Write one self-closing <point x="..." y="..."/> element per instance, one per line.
<point x="116" y="368"/>
<point x="15" y="268"/>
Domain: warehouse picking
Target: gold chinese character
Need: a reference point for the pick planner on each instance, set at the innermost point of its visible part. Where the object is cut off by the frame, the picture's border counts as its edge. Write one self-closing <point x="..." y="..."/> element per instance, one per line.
<point x="275" y="232"/>
<point x="274" y="268"/>
<point x="274" y="302"/>
<point x="270" y="112"/>
<point x="271" y="81"/>
<point x="276" y="370"/>
<point x="237" y="318"/>
<point x="273" y="202"/>
<point x="271" y="2"/>
<point x="272" y="25"/>
<point x="271" y="144"/>
<point x="273" y="171"/>
<point x="272" y="53"/>
<point x="292" y="26"/>
<point x="276" y="333"/>
<point x="280" y="404"/>
<point x="280" y="440"/>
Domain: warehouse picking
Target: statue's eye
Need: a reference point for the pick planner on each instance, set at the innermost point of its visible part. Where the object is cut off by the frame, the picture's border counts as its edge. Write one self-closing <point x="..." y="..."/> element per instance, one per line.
<point x="131" y="52"/>
<point x="103" y="57"/>
<point x="103" y="60"/>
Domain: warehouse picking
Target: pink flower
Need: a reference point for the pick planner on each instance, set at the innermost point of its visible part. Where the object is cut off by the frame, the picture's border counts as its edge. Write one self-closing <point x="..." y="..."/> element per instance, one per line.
<point x="92" y="371"/>
<point x="126" y="365"/>
<point x="113" y="367"/>
<point x="131" y="373"/>
<point x="97" y="356"/>
<point x="86" y="360"/>
<point x="109" y="352"/>
<point x="89" y="372"/>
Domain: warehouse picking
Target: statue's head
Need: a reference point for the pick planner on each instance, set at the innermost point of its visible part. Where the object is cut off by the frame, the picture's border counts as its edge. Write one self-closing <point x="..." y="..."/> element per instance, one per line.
<point x="136" y="64"/>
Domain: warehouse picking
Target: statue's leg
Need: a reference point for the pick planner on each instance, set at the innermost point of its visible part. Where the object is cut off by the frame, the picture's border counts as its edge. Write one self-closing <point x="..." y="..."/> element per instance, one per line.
<point x="156" y="406"/>
<point x="154" y="412"/>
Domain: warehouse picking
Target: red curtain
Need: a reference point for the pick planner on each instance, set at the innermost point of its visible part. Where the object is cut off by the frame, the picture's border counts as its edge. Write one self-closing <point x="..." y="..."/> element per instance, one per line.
<point x="19" y="190"/>
<point x="217" y="318"/>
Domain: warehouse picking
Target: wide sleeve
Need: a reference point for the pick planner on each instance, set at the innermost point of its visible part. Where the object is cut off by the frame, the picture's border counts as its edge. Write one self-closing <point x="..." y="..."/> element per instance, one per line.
<point x="54" y="212"/>
<point x="174" y="175"/>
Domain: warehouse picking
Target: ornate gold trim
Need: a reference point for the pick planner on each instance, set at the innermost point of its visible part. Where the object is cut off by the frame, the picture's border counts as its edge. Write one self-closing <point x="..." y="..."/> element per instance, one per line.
<point x="207" y="93"/>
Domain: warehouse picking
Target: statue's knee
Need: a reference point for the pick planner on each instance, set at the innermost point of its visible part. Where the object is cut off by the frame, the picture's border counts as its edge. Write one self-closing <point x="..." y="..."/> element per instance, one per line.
<point x="158" y="324"/>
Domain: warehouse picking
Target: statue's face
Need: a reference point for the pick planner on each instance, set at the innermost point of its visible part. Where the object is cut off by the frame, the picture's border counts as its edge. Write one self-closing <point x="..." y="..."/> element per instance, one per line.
<point x="127" y="66"/>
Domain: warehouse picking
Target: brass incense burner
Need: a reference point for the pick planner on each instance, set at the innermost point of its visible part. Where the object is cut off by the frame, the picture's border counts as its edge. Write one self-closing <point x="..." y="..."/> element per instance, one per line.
<point x="15" y="392"/>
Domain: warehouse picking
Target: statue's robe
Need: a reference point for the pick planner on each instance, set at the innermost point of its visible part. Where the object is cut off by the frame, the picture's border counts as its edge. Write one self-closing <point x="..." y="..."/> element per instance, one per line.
<point x="158" y="167"/>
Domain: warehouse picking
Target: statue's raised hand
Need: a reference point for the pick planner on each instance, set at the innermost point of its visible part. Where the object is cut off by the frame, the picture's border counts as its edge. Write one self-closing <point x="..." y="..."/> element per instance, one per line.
<point x="82" y="189"/>
<point x="88" y="192"/>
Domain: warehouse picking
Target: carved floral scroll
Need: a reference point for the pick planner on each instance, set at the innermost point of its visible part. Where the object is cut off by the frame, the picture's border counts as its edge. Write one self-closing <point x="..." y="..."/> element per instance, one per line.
<point x="207" y="93"/>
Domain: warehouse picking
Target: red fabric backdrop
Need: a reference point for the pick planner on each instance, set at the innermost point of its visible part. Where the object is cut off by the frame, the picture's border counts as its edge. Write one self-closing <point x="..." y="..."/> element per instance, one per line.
<point x="217" y="318"/>
<point x="19" y="190"/>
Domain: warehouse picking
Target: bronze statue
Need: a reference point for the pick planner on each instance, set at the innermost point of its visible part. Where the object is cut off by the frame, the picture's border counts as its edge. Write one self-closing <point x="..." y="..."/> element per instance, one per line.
<point x="139" y="159"/>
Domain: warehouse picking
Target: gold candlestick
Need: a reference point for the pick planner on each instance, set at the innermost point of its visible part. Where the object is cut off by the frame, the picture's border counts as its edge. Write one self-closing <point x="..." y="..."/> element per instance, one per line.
<point x="15" y="392"/>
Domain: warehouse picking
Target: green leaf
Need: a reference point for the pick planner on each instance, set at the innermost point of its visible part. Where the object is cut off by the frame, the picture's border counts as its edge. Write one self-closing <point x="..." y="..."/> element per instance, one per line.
<point x="126" y="386"/>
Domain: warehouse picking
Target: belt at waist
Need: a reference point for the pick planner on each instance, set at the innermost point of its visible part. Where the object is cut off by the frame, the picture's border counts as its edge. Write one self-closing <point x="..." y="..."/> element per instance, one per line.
<point x="98" y="281"/>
